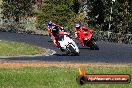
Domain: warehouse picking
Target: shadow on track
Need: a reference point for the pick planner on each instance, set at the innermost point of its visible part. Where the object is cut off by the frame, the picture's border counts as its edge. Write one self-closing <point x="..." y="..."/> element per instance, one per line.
<point x="49" y="41"/>
<point x="64" y="55"/>
<point x="84" y="48"/>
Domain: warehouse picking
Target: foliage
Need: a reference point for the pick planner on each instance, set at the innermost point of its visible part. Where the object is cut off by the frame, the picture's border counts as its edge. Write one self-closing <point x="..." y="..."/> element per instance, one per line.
<point x="62" y="12"/>
<point x="121" y="15"/>
<point x="16" y="9"/>
<point x="67" y="12"/>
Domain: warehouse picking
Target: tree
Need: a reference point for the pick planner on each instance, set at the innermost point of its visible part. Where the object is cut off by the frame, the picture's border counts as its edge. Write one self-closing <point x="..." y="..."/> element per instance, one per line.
<point x="59" y="11"/>
<point x="98" y="11"/>
<point x="121" y="14"/>
<point x="76" y="6"/>
<point x="16" y="9"/>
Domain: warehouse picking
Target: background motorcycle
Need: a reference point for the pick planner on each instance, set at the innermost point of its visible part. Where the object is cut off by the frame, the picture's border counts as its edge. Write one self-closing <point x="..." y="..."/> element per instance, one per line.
<point x="88" y="40"/>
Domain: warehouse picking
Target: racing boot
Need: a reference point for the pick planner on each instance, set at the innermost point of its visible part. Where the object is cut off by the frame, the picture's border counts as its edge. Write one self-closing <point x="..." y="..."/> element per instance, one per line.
<point x="61" y="49"/>
<point x="58" y="45"/>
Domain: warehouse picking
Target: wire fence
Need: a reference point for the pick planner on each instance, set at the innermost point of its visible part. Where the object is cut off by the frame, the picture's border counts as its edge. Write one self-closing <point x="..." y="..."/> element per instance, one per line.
<point x="113" y="37"/>
<point x="29" y="27"/>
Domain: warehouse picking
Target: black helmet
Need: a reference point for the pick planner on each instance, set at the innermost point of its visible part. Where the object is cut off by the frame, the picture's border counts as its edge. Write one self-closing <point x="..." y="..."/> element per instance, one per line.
<point x="55" y="30"/>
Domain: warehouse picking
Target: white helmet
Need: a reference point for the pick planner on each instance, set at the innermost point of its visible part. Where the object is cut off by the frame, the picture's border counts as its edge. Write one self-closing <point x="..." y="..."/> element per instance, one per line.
<point x="77" y="25"/>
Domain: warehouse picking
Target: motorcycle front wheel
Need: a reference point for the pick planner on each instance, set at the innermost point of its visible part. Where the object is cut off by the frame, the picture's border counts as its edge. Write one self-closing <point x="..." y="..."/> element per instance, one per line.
<point x="93" y="46"/>
<point x="73" y="51"/>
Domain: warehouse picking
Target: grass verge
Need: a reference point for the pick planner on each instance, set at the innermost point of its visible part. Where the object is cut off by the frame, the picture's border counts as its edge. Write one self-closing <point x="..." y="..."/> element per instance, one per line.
<point x="57" y="77"/>
<point x="9" y="48"/>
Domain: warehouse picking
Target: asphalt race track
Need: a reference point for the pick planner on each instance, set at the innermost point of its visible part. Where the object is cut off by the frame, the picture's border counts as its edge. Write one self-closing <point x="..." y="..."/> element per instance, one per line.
<point x="108" y="53"/>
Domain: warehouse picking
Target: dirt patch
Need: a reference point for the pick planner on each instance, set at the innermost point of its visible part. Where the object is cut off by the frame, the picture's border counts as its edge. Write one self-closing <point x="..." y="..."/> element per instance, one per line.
<point x="8" y="64"/>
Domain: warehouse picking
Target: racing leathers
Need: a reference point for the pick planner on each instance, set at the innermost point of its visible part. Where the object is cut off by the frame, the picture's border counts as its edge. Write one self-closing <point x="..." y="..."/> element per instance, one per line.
<point x="80" y="32"/>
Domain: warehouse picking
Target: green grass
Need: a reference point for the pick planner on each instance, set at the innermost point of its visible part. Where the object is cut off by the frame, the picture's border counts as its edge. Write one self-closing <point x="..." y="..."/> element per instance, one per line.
<point x="55" y="77"/>
<point x="9" y="48"/>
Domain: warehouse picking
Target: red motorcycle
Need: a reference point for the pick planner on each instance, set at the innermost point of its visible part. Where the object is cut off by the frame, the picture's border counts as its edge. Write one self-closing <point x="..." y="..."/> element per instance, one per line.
<point x="86" y="38"/>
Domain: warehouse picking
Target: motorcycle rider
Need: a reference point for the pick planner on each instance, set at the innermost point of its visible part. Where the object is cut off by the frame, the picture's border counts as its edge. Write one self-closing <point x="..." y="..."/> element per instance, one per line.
<point x="55" y="29"/>
<point x="79" y="30"/>
<point x="52" y="25"/>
